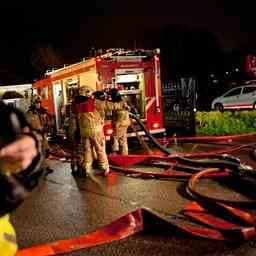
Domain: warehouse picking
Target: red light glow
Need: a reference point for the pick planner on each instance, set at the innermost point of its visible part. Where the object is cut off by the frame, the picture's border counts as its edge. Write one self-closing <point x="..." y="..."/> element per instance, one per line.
<point x="109" y="131"/>
<point x="155" y="125"/>
<point x="98" y="59"/>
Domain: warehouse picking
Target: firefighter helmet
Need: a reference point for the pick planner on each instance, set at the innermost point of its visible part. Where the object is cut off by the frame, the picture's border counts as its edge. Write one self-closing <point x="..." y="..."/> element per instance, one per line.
<point x="37" y="100"/>
<point x="85" y="91"/>
<point x="115" y="95"/>
<point x="99" y="95"/>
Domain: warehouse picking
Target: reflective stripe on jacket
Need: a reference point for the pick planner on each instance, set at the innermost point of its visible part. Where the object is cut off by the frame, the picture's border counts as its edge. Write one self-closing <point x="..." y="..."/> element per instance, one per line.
<point x="120" y="113"/>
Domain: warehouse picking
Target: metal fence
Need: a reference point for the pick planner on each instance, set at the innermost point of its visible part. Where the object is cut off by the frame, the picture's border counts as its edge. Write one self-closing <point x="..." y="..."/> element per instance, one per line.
<point x="179" y="98"/>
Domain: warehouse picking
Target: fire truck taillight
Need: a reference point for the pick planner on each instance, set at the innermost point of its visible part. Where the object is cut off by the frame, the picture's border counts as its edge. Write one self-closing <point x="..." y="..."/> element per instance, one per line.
<point x="109" y="131"/>
<point x="155" y="125"/>
<point x="98" y="59"/>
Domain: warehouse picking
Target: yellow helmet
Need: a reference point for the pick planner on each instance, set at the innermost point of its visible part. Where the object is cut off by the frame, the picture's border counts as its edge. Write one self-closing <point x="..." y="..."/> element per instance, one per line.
<point x="85" y="91"/>
<point x="36" y="99"/>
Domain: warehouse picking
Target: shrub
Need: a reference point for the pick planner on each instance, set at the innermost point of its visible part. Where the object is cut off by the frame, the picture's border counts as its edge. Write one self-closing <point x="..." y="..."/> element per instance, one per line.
<point x="226" y="123"/>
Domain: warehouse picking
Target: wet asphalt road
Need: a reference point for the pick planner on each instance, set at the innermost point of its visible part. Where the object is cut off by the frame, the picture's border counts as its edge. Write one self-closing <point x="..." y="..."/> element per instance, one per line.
<point x="62" y="207"/>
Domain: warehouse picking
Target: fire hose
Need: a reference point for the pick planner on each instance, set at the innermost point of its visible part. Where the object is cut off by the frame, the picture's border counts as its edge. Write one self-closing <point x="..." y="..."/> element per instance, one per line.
<point x="149" y="135"/>
<point x="191" y="189"/>
<point x="225" y="161"/>
<point x="134" y="222"/>
<point x="215" y="164"/>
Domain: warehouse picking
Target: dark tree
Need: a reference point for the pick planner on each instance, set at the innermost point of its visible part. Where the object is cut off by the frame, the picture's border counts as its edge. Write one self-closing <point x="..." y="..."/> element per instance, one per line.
<point x="191" y="52"/>
<point x="44" y="57"/>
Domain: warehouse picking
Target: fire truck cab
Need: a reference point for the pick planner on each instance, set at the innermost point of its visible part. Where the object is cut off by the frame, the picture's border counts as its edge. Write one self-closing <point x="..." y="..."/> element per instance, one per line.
<point x="135" y="73"/>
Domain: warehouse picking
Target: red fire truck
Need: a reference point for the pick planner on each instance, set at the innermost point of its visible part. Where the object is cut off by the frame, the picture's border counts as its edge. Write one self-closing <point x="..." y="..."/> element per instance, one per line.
<point x="135" y="72"/>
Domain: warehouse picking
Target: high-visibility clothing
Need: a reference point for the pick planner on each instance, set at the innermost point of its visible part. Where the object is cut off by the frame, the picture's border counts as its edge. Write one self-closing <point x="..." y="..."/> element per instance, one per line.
<point x="120" y="143"/>
<point x="38" y="122"/>
<point x="101" y="107"/>
<point x="120" y="122"/>
<point x="94" y="145"/>
<point x="8" y="243"/>
<point x="91" y="131"/>
<point x="89" y="123"/>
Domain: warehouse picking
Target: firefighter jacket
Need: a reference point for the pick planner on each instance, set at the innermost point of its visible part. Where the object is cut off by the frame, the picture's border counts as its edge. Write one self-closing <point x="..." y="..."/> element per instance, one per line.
<point x="100" y="106"/>
<point x="37" y="118"/>
<point x="89" y="119"/>
<point x="8" y="244"/>
<point x="120" y="113"/>
<point x="38" y="122"/>
<point x="90" y="123"/>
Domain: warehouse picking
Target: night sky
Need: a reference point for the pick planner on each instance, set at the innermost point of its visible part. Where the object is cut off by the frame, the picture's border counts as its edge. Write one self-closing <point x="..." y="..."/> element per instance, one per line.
<point x="70" y="30"/>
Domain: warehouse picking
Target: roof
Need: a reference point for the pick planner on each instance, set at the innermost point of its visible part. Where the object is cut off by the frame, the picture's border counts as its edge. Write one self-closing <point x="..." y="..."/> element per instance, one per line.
<point x="15" y="87"/>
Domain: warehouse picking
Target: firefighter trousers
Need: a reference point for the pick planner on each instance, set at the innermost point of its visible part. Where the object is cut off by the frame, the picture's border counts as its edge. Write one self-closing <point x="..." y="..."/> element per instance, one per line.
<point x="94" y="148"/>
<point x="120" y="139"/>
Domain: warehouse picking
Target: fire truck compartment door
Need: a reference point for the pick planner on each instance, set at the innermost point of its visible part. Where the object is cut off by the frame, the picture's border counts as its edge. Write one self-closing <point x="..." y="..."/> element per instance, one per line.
<point x="133" y="83"/>
<point x="88" y="78"/>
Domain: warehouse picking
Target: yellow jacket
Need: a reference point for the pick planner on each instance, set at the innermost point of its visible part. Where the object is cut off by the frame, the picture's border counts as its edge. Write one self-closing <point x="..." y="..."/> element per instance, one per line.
<point x="101" y="107"/>
<point x="8" y="243"/>
<point x="90" y="123"/>
<point x="120" y="113"/>
<point x="38" y="122"/>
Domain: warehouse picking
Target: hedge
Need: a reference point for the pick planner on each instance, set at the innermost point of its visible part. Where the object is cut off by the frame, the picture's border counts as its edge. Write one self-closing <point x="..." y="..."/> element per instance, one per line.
<point x="225" y="123"/>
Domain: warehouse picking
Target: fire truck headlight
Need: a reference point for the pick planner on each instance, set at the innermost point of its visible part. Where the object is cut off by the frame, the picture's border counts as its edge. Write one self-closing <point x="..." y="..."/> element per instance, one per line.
<point x="155" y="125"/>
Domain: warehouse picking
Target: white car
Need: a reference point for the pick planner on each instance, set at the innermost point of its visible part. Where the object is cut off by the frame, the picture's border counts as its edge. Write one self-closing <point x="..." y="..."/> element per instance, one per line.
<point x="242" y="97"/>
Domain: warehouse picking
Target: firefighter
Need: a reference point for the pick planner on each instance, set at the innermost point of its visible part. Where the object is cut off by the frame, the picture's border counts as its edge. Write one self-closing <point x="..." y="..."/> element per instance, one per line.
<point x="91" y="131"/>
<point x="100" y="103"/>
<point x="17" y="145"/>
<point x="120" y="122"/>
<point x="101" y="107"/>
<point x="73" y="133"/>
<point x="37" y="118"/>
